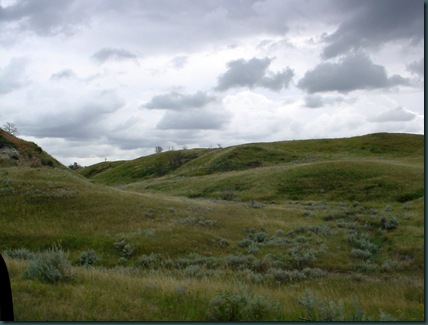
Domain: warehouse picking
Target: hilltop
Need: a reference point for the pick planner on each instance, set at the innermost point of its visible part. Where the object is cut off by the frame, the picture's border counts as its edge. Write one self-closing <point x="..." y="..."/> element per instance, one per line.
<point x="363" y="168"/>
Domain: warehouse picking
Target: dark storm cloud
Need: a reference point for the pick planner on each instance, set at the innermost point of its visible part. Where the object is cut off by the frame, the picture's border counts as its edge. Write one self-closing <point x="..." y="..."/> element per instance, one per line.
<point x="44" y="17"/>
<point x="253" y="73"/>
<point x="375" y="22"/>
<point x="13" y="75"/>
<point x="192" y="120"/>
<point x="353" y="72"/>
<point x="177" y="101"/>
<point x="398" y="114"/>
<point x="416" y="67"/>
<point x="64" y="74"/>
<point x="114" y="54"/>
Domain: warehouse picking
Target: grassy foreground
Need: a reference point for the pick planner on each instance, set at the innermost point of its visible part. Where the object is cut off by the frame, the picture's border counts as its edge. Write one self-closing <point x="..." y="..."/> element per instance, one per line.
<point x="329" y="239"/>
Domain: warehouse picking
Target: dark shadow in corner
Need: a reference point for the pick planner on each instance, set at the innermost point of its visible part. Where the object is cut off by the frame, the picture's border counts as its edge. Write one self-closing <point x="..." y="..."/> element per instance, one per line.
<point x="6" y="303"/>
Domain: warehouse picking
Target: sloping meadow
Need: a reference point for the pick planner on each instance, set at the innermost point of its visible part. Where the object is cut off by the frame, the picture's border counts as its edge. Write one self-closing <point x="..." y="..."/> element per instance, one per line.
<point x="329" y="239"/>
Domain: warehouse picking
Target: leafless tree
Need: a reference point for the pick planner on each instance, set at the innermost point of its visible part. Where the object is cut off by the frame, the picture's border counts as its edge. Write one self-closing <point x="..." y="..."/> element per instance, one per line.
<point x="158" y="149"/>
<point x="10" y="128"/>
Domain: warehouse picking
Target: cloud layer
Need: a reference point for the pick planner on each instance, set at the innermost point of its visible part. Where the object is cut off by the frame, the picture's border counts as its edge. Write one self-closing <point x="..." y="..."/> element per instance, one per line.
<point x="375" y="23"/>
<point x="105" y="78"/>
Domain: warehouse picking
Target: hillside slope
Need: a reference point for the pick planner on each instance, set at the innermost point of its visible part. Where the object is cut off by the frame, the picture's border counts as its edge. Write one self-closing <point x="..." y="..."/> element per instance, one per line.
<point x="156" y="250"/>
<point x="198" y="162"/>
<point x="18" y="152"/>
<point x="382" y="166"/>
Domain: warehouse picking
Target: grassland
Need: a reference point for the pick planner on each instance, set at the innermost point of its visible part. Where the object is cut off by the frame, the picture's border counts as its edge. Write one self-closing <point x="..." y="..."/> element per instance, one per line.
<point x="299" y="230"/>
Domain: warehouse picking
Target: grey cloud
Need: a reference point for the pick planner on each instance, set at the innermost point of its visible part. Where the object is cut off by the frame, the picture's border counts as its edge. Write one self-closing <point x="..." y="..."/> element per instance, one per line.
<point x="13" y="75"/>
<point x="80" y="122"/>
<point x="253" y="73"/>
<point x="398" y="114"/>
<point x="64" y="74"/>
<point x="416" y="67"/>
<point x="45" y="17"/>
<point x="397" y="80"/>
<point x="317" y="101"/>
<point x="373" y="23"/>
<point x="314" y="101"/>
<point x="177" y="101"/>
<point x="114" y="54"/>
<point x="192" y="120"/>
<point x="353" y="72"/>
<point x="179" y="61"/>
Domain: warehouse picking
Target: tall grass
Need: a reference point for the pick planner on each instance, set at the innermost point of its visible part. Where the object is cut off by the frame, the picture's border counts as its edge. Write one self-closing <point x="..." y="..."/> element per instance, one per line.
<point x="256" y="237"/>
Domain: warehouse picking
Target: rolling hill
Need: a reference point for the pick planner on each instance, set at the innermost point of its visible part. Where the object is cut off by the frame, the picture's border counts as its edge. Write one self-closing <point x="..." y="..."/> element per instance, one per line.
<point x="374" y="167"/>
<point x="329" y="229"/>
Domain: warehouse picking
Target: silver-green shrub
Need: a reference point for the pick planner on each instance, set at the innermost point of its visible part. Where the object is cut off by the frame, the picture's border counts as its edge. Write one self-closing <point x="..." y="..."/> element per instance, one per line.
<point x="51" y="266"/>
<point x="20" y="253"/>
<point x="151" y="261"/>
<point x="229" y="306"/>
<point x="88" y="258"/>
<point x="388" y="223"/>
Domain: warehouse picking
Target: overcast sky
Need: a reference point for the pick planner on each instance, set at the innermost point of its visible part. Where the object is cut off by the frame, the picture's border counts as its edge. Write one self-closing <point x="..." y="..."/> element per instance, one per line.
<point x="94" y="79"/>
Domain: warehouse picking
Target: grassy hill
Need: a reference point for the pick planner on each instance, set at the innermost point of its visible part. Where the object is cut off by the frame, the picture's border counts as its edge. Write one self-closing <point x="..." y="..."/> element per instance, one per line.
<point x="316" y="230"/>
<point x="199" y="162"/>
<point x="382" y="166"/>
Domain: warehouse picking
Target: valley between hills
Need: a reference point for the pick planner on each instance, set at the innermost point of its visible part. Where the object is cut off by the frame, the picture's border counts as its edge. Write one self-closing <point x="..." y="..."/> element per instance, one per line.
<point x="315" y="230"/>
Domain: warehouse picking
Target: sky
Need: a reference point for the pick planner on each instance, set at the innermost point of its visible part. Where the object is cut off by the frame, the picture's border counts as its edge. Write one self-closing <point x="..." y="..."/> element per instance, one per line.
<point x="96" y="80"/>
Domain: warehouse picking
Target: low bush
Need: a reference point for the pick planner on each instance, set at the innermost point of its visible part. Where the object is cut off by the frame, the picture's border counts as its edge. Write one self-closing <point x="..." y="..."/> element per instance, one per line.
<point x="285" y="276"/>
<point x="51" y="266"/>
<point x="320" y="310"/>
<point x="20" y="253"/>
<point x="361" y="241"/>
<point x="196" y="259"/>
<point x="88" y="258"/>
<point x="388" y="223"/>
<point x="150" y="213"/>
<point x="360" y="253"/>
<point x="151" y="261"/>
<point x="239" y="261"/>
<point x="229" y="306"/>
<point x="194" y="271"/>
<point x="301" y="258"/>
<point x="126" y="250"/>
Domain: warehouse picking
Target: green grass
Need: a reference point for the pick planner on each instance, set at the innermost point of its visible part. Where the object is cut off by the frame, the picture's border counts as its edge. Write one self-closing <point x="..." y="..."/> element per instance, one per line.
<point x="350" y="180"/>
<point x="270" y="231"/>
<point x="199" y="162"/>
